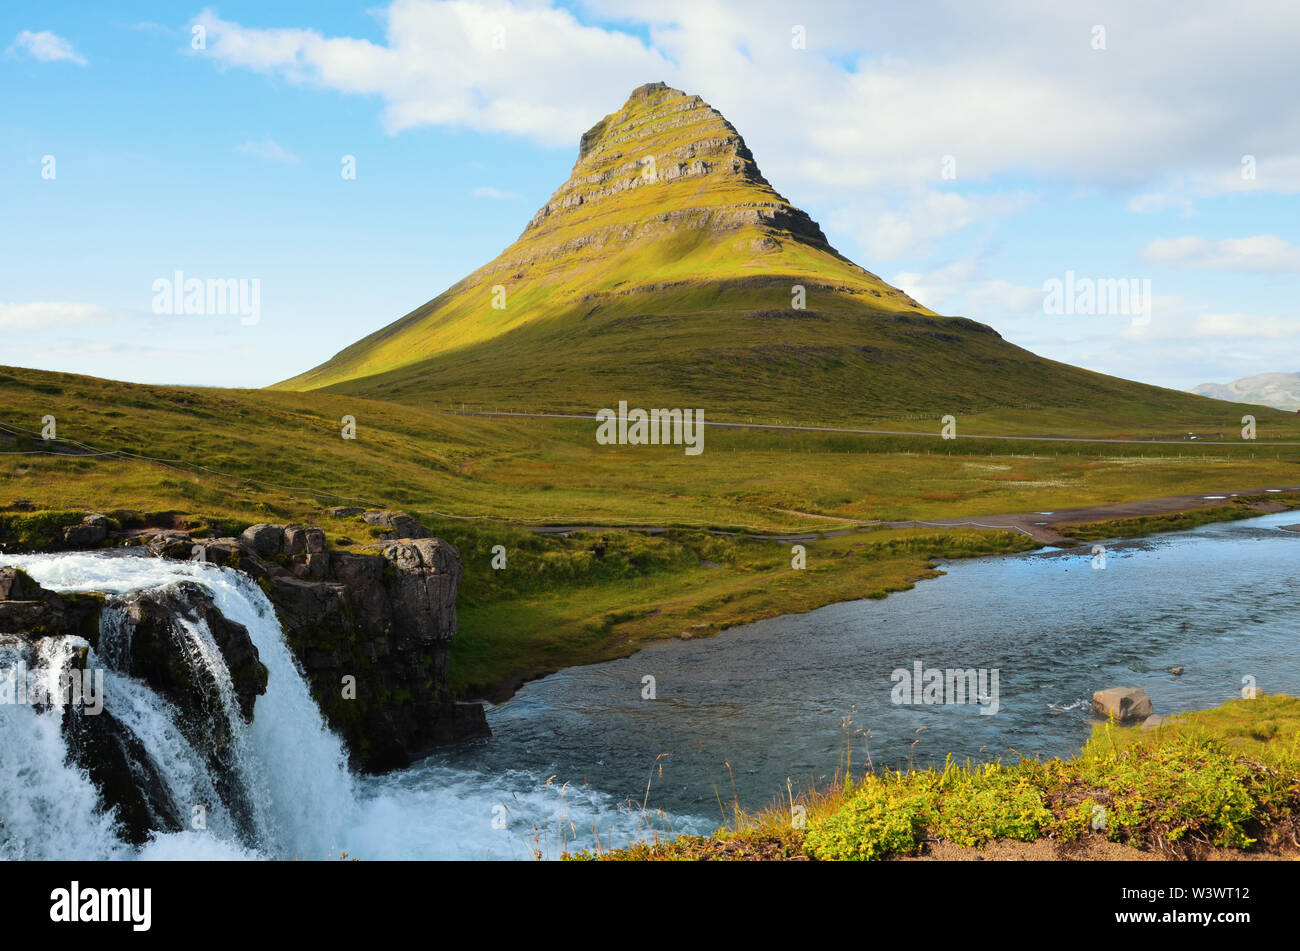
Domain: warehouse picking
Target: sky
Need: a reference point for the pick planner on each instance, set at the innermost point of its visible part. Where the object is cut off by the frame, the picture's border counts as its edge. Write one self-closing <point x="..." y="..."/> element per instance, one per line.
<point x="344" y="163"/>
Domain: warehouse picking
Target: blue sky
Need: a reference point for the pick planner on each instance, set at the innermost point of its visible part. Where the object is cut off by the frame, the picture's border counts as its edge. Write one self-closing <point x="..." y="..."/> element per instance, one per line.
<point x="1115" y="155"/>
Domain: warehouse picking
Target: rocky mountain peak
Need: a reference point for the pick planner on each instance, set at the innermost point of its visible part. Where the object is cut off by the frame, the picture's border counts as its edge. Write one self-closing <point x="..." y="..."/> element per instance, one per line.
<point x="667" y="160"/>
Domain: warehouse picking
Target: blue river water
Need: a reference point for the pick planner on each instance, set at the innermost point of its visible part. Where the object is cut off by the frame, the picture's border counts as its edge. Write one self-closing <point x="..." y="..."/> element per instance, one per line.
<point x="766" y="703"/>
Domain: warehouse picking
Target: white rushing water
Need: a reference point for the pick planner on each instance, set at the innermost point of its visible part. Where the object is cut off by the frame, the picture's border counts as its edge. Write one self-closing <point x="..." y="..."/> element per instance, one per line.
<point x="292" y="769"/>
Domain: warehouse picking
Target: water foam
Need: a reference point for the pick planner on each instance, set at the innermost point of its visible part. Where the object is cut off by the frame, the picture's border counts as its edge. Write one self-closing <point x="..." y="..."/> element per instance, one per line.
<point x="294" y="771"/>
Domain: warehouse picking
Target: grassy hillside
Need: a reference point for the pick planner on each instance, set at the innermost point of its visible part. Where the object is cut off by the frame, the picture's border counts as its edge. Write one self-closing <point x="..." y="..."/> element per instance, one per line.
<point x="672" y="284"/>
<point x="223" y="459"/>
<point x="254" y="453"/>
<point x="737" y="351"/>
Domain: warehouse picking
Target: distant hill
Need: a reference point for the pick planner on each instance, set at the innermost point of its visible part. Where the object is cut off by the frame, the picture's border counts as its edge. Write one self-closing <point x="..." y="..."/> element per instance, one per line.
<point x="1279" y="390"/>
<point x="667" y="271"/>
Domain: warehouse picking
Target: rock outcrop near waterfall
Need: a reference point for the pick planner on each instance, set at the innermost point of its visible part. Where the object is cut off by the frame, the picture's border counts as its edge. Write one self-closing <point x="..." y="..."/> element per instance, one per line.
<point x="158" y="636"/>
<point x="149" y="640"/>
<point x="30" y="611"/>
<point x="370" y="629"/>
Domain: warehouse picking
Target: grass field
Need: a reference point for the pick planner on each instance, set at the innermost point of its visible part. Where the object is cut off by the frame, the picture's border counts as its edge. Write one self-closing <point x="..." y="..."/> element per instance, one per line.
<point x="224" y="459"/>
<point x="281" y="455"/>
<point x="594" y="596"/>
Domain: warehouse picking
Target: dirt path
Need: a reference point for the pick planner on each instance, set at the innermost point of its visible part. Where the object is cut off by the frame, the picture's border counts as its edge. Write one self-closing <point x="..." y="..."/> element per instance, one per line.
<point x="1041" y="526"/>
<point x="786" y="427"/>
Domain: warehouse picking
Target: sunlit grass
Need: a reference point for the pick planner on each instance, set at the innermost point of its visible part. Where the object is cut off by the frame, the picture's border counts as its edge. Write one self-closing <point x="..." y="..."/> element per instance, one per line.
<point x="1227" y="778"/>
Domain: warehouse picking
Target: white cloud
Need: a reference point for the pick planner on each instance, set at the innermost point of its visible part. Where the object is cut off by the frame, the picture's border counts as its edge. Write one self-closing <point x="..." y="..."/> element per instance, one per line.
<point x="996" y="298"/>
<point x="868" y="110"/>
<point x="270" y="150"/>
<point x="459" y="63"/>
<point x="1265" y="252"/>
<point x="47" y="47"/>
<point x="487" y="191"/>
<point x="962" y="286"/>
<point x="49" y="315"/>
<point x="939" y="287"/>
<point x="1246" y="326"/>
<point x="1152" y="202"/>
<point x="899" y="227"/>
<point x="1176" y="321"/>
<point x="1184" y="344"/>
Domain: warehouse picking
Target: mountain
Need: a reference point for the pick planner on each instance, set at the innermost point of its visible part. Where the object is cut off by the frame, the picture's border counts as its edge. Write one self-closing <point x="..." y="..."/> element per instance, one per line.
<point x="666" y="271"/>
<point x="1279" y="390"/>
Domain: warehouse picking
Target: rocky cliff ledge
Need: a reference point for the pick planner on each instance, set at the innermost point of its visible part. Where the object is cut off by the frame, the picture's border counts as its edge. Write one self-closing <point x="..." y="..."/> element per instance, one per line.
<point x="370" y="628"/>
<point x="42" y="632"/>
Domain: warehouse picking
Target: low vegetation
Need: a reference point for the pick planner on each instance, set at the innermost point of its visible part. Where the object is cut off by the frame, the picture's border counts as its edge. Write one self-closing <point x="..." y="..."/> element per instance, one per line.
<point x="1239" y="508"/>
<point x="591" y="596"/>
<point x="1221" y="779"/>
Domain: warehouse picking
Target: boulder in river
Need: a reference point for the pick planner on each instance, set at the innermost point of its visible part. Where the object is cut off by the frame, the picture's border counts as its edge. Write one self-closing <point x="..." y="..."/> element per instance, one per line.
<point x="29" y="610"/>
<point x="1125" y="704"/>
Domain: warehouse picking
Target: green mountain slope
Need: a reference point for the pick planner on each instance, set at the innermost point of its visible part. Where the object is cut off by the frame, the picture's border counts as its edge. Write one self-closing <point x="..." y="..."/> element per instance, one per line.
<point x="665" y="272"/>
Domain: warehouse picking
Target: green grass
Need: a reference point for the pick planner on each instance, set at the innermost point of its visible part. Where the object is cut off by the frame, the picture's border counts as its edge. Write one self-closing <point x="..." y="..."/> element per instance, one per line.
<point x="254" y="455"/>
<point x="223" y="459"/>
<point x="595" y="596"/>
<point x="1226" y="778"/>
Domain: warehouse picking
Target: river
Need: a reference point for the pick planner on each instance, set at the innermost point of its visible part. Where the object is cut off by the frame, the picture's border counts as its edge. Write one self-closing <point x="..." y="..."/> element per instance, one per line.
<point x="586" y="755"/>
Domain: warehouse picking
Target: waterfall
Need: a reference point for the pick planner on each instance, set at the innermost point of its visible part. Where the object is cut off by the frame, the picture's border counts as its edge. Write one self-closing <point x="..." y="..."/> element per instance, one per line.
<point x="286" y="771"/>
<point x="286" y="766"/>
<point x="47" y="809"/>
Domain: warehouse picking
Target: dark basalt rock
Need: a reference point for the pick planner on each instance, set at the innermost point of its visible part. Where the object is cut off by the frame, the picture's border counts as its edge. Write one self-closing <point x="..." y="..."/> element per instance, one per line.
<point x="263" y="540"/>
<point x="370" y="629"/>
<point x="91" y="532"/>
<point x="119" y="766"/>
<point x="159" y="653"/>
<point x="113" y="757"/>
<point x="154" y="646"/>
<point x="17" y="585"/>
<point x="31" y="611"/>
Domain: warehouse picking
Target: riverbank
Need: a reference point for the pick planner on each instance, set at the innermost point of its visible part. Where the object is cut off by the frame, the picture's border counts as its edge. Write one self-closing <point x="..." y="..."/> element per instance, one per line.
<point x="533" y="603"/>
<point x="1217" y="784"/>
<point x="562" y="605"/>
